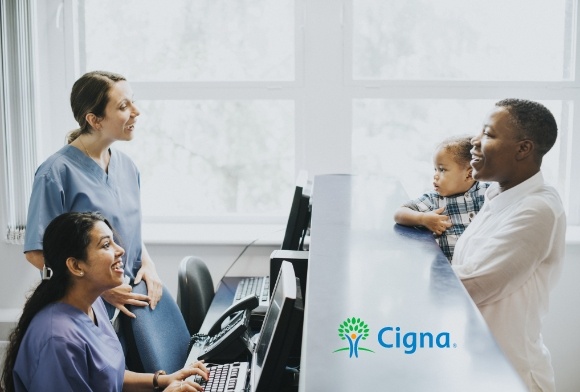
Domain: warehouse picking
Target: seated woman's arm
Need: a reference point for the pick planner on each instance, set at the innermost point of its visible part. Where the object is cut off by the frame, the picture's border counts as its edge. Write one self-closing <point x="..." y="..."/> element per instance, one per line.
<point x="136" y="382"/>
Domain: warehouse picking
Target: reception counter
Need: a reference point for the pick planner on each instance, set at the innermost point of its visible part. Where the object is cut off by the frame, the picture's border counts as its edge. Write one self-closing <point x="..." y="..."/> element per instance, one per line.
<point x="384" y="311"/>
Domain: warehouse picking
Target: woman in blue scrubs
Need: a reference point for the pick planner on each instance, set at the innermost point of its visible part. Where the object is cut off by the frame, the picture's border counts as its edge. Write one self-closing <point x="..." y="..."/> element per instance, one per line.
<point x="88" y="175"/>
<point x="64" y="340"/>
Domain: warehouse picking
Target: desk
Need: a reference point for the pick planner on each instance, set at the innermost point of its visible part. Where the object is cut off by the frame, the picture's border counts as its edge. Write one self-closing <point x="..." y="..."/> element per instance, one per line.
<point x="362" y="265"/>
<point x="397" y="281"/>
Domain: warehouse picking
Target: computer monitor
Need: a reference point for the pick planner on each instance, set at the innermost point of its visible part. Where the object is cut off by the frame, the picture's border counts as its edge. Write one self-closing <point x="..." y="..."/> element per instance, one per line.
<point x="281" y="331"/>
<point x="299" y="218"/>
<point x="299" y="260"/>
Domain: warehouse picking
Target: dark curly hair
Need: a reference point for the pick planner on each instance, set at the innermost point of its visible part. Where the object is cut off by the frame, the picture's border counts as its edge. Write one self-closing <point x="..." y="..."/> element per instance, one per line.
<point x="533" y="121"/>
<point x="459" y="147"/>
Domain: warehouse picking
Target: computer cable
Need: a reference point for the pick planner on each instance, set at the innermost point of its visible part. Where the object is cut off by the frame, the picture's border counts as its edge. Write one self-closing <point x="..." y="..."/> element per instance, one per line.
<point x="246" y="248"/>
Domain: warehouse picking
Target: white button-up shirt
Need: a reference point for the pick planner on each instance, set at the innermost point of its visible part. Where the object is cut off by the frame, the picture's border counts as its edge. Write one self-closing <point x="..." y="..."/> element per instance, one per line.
<point x="508" y="259"/>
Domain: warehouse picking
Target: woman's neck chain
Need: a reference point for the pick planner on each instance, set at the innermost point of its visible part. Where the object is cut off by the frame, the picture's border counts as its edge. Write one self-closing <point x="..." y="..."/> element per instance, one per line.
<point x="85" y="148"/>
<point x="104" y="164"/>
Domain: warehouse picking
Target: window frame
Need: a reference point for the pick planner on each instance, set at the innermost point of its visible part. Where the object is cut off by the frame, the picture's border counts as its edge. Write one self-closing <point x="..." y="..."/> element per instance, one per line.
<point x="323" y="89"/>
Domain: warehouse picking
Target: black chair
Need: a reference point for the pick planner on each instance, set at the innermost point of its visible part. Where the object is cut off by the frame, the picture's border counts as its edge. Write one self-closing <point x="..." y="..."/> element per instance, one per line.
<point x="156" y="339"/>
<point x="195" y="291"/>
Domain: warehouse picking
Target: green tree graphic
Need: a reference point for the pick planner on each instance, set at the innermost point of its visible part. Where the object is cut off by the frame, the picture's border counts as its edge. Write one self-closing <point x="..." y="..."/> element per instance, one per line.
<point x="353" y="330"/>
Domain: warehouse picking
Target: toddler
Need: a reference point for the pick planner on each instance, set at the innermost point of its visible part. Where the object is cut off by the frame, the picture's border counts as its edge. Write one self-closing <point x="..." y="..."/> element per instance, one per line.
<point x="455" y="199"/>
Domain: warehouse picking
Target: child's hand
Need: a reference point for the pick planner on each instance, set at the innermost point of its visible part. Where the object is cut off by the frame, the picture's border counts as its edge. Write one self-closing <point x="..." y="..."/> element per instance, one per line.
<point x="435" y="222"/>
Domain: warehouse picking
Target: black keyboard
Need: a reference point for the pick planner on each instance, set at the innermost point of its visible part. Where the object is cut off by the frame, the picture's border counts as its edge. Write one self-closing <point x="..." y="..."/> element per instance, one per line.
<point x="255" y="285"/>
<point x="228" y="377"/>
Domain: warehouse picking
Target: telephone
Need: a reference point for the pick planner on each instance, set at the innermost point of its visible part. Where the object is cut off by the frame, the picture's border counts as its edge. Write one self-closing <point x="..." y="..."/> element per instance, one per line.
<point x="230" y="343"/>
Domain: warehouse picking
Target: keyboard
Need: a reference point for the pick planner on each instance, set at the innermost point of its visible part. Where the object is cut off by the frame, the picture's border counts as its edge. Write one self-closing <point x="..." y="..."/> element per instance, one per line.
<point x="229" y="377"/>
<point x="254" y="285"/>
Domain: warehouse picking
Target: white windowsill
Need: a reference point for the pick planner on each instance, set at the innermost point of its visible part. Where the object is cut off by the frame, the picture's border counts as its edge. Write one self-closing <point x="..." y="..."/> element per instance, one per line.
<point x="241" y="234"/>
<point x="213" y="234"/>
<point x="8" y="319"/>
<point x="264" y="234"/>
<point x="573" y="235"/>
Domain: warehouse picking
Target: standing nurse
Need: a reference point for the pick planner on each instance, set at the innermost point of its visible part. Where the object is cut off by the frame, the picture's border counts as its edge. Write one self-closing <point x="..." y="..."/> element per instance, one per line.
<point x="88" y="175"/>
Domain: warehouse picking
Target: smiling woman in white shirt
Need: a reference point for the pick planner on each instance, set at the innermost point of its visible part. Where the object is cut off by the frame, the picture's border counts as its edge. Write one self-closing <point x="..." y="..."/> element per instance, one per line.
<point x="511" y="255"/>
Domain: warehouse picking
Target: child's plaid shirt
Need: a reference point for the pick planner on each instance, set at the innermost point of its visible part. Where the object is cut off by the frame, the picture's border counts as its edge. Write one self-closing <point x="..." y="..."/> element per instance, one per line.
<point x="460" y="208"/>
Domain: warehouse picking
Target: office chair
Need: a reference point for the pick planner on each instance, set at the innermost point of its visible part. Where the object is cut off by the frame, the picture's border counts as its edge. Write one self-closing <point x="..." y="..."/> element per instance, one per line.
<point x="195" y="291"/>
<point x="157" y="339"/>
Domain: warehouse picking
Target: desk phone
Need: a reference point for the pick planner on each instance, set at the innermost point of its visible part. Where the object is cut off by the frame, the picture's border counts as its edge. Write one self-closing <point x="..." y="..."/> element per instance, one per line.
<point x="230" y="342"/>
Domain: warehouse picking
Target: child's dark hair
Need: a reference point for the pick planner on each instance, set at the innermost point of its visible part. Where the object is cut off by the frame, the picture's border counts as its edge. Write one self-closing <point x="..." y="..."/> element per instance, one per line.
<point x="459" y="147"/>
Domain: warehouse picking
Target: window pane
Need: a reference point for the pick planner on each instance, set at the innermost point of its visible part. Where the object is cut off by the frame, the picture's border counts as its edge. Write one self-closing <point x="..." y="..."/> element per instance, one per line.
<point x="184" y="40"/>
<point x="462" y="40"/>
<point x="396" y="138"/>
<point x="202" y="158"/>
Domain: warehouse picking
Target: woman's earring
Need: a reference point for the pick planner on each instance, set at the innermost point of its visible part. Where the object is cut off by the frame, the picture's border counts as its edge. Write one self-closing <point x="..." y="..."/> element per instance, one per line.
<point x="81" y="273"/>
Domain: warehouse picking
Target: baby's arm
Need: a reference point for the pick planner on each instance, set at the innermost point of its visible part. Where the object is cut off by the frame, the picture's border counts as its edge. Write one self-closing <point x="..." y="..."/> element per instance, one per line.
<point x="432" y="220"/>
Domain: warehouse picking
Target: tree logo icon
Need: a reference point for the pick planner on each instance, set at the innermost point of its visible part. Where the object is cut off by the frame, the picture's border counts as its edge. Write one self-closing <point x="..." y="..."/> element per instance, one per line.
<point x="353" y="330"/>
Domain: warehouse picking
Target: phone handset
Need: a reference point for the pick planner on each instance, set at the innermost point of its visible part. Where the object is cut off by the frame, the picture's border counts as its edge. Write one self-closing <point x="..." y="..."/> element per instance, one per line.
<point x="250" y="302"/>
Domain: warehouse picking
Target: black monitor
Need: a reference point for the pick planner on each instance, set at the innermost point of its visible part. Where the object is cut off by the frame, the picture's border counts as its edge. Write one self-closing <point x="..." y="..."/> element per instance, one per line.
<point x="299" y="218"/>
<point x="280" y="333"/>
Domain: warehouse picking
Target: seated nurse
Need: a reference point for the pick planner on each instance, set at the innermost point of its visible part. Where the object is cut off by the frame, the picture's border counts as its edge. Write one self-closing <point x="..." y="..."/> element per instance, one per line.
<point x="64" y="340"/>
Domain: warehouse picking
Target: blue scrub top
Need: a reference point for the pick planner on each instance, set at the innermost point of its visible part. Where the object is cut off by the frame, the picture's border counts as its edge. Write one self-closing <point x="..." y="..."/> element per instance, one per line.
<point x="63" y="350"/>
<point x="71" y="181"/>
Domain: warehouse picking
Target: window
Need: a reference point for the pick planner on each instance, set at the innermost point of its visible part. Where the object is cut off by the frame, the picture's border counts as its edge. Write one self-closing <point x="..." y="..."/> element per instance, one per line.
<point x="494" y="40"/>
<point x="237" y="97"/>
<point x="241" y="153"/>
<point x="422" y="70"/>
<point x="396" y="137"/>
<point x="184" y="41"/>
<point x="199" y="139"/>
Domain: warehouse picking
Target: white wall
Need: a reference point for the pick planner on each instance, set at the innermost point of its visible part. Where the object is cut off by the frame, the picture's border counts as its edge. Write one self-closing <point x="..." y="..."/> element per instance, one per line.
<point x="562" y="325"/>
<point x="19" y="277"/>
<point x="254" y="261"/>
<point x="560" y="332"/>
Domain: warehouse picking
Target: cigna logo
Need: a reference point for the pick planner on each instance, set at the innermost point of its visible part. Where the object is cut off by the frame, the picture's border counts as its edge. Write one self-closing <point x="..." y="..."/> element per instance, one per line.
<point x="354" y="330"/>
